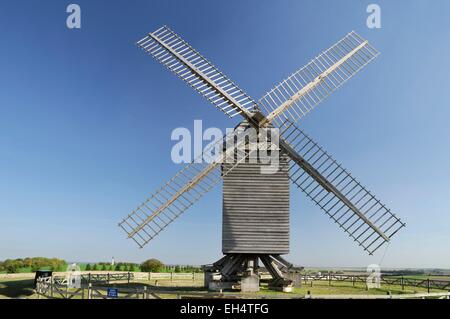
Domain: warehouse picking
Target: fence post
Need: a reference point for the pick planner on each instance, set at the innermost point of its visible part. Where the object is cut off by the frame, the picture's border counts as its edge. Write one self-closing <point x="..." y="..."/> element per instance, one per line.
<point x="89" y="291"/>
<point x="89" y="278"/>
<point x="171" y="276"/>
<point x="37" y="288"/>
<point x="193" y="276"/>
<point x="107" y="278"/>
<point x="145" y="292"/>
<point x="51" y="286"/>
<point x="353" y="281"/>
<point x="428" y="285"/>
<point x="149" y="276"/>
<point x="128" y="277"/>
<point x="403" y="284"/>
<point x="329" y="278"/>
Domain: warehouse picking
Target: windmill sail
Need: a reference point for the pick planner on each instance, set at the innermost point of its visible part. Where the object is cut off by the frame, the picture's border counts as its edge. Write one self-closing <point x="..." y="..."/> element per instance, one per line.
<point x="315" y="172"/>
<point x="183" y="60"/>
<point x="190" y="184"/>
<point x="294" y="97"/>
<point x="169" y="202"/>
<point x="349" y="204"/>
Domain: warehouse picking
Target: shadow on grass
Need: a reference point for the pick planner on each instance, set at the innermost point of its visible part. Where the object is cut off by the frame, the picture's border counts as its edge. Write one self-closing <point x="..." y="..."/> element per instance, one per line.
<point x="16" y="288"/>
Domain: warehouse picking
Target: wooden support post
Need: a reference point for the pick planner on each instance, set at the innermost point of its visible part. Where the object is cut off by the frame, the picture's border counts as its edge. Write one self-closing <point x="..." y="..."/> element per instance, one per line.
<point x="171" y="276"/>
<point x="89" y="290"/>
<point x="428" y="285"/>
<point x="129" y="277"/>
<point x="51" y="286"/>
<point x="149" y="276"/>
<point x="403" y="283"/>
<point x="193" y="276"/>
<point x="329" y="278"/>
<point x="107" y="278"/>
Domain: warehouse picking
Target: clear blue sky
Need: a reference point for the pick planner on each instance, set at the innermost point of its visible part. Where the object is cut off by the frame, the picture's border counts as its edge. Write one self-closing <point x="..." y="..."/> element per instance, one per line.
<point x="86" y="118"/>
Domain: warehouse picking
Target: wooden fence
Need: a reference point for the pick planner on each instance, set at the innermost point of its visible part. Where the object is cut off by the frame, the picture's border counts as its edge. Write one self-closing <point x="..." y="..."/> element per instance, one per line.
<point x="98" y="278"/>
<point x="106" y="278"/>
<point x="170" y="276"/>
<point x="47" y="288"/>
<point x="402" y="281"/>
<point x="54" y="289"/>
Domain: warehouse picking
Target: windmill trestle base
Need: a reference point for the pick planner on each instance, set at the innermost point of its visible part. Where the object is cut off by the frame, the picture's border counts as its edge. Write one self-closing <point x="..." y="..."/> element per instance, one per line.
<point x="242" y="272"/>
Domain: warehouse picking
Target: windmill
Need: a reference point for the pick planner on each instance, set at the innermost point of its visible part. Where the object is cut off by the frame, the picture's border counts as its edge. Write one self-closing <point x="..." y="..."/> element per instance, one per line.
<point x="256" y="205"/>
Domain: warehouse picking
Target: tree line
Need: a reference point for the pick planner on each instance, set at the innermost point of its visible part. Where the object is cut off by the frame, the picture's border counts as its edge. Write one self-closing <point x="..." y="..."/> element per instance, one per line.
<point x="150" y="265"/>
<point x="32" y="264"/>
<point x="23" y="265"/>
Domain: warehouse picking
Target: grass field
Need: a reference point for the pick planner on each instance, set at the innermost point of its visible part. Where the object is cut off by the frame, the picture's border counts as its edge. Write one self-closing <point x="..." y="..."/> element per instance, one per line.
<point x="23" y="288"/>
<point x="318" y="288"/>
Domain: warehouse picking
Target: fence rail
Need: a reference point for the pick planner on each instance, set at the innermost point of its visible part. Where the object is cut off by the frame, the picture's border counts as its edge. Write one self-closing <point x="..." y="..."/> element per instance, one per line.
<point x="402" y="281"/>
<point x="107" y="278"/>
<point x="47" y="288"/>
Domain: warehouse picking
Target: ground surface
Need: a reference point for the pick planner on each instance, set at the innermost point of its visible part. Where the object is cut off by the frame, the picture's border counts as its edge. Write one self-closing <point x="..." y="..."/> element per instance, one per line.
<point x="16" y="288"/>
<point x="23" y="288"/>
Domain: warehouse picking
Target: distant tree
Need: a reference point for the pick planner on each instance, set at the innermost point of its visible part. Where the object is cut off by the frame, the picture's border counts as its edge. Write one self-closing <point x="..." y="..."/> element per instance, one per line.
<point x="95" y="267"/>
<point x="104" y="267"/>
<point x="11" y="266"/>
<point x="88" y="267"/>
<point x="177" y="268"/>
<point x="152" y="265"/>
<point x="134" y="267"/>
<point x="33" y="264"/>
<point x="117" y="267"/>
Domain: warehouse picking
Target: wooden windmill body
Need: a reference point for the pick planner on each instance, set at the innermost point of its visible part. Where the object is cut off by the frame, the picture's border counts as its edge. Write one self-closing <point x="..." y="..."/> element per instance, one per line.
<point x="256" y="205"/>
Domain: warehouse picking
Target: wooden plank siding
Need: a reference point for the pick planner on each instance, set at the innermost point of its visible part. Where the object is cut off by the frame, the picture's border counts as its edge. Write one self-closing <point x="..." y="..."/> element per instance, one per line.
<point x="256" y="209"/>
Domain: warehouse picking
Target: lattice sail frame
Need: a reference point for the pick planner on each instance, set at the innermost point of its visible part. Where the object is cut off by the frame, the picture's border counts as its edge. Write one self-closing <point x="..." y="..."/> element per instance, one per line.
<point x="189" y="185"/>
<point x="363" y="199"/>
<point x="302" y="91"/>
<point x="196" y="70"/>
<point x="290" y="100"/>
